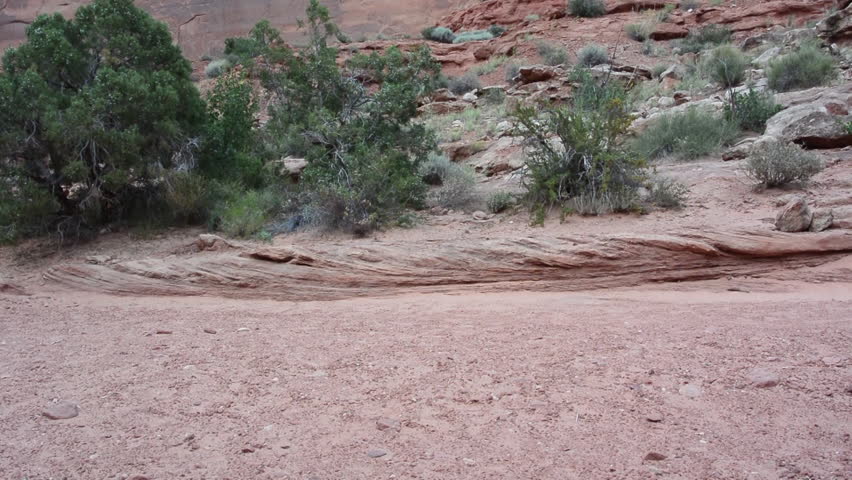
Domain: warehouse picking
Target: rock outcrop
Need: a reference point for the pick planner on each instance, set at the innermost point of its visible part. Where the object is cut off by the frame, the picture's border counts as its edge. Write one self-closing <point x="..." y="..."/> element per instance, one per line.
<point x="814" y="118"/>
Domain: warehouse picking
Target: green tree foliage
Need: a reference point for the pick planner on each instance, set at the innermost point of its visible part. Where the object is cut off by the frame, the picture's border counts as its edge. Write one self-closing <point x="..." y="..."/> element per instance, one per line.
<point x="362" y="149"/>
<point x="94" y="108"/>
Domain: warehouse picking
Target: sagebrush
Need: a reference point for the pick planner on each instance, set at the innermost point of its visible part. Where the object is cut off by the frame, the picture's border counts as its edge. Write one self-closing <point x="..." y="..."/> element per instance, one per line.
<point x="778" y="163"/>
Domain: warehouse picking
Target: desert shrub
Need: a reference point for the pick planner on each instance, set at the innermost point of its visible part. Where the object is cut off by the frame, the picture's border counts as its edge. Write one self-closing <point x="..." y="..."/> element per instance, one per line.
<point x="263" y="39"/>
<point x="241" y="213"/>
<point x="687" y="135"/>
<point x="463" y="84"/>
<point x="362" y="147"/>
<point x="499" y="202"/>
<point x="602" y="203"/>
<point x="587" y="8"/>
<point x="727" y="66"/>
<point x="650" y="49"/>
<point x="704" y="38"/>
<point x="574" y="155"/>
<point x="665" y="192"/>
<point x="751" y="109"/>
<point x="638" y="31"/>
<point x="659" y="69"/>
<point x="186" y="195"/>
<point x="473" y="36"/>
<point x="454" y="183"/>
<point x="592" y="95"/>
<point x="592" y="55"/>
<point x="92" y="110"/>
<point x="805" y="68"/>
<point x="511" y="71"/>
<point x="777" y="163"/>
<point x="439" y="34"/>
<point x="551" y="54"/>
<point x="532" y="18"/>
<point x="496" y="30"/>
<point x="217" y="67"/>
<point x="490" y="66"/>
<point x="690" y="4"/>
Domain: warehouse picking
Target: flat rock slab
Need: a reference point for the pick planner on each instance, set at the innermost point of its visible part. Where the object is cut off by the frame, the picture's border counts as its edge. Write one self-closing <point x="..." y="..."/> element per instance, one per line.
<point x="61" y="411"/>
<point x="763" y="378"/>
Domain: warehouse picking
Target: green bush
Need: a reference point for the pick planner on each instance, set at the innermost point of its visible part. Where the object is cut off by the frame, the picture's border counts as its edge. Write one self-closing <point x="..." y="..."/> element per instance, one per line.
<point x="466" y="83"/>
<point x="688" y="135"/>
<point x="751" y="109"/>
<point x="659" y="69"/>
<point x="575" y="158"/>
<point x="25" y="208"/>
<point x="511" y="71"/>
<point x="638" y="31"/>
<point x="587" y="8"/>
<point x="808" y="67"/>
<point x="262" y="40"/>
<point x="439" y="34"/>
<point x="777" y="163"/>
<point x="242" y="213"/>
<point x="727" y="66"/>
<point x="217" y="67"/>
<point x="499" y="202"/>
<point x="454" y="183"/>
<point x="186" y="196"/>
<point x="94" y="108"/>
<point x="704" y="38"/>
<point x="496" y="30"/>
<point x="592" y="55"/>
<point x="473" y="36"/>
<point x="667" y="193"/>
<point x="551" y="54"/>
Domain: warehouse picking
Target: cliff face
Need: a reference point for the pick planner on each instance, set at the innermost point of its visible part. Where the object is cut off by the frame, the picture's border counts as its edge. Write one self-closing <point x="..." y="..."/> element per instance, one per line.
<point x="200" y="26"/>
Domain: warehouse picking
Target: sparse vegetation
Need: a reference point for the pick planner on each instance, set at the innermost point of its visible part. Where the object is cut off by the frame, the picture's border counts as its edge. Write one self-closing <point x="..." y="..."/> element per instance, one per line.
<point x="807" y="67"/>
<point x="658" y="69"/>
<point x="490" y="66"/>
<point x="454" y="183"/>
<point x="703" y="38"/>
<point x="532" y="18"/>
<point x="638" y="31"/>
<point x="586" y="8"/>
<point x="727" y="66"/>
<point x="217" y="67"/>
<point x="778" y="163"/>
<point x="592" y="55"/>
<point x="463" y="84"/>
<point x="497" y="30"/>
<point x="690" y="4"/>
<point x="499" y="202"/>
<point x="511" y="71"/>
<point x="551" y="54"/>
<point x="686" y="136"/>
<point x="751" y="109"/>
<point x="667" y="193"/>
<point x="438" y="34"/>
<point x="473" y="36"/>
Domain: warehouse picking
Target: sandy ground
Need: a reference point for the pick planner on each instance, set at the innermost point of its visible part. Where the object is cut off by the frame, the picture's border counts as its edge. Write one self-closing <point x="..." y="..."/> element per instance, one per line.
<point x="521" y="385"/>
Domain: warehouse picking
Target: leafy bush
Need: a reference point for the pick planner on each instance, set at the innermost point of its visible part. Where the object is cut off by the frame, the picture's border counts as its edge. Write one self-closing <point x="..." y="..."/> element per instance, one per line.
<point x="688" y="135"/>
<point x="217" y="67"/>
<point x="499" y="202"/>
<point x="496" y="30"/>
<point x="243" y="213"/>
<point x="473" y="36"/>
<point x="466" y="83"/>
<point x="703" y="38"/>
<point x="439" y="34"/>
<point x="574" y="155"/>
<point x="551" y="54"/>
<point x="592" y="55"/>
<point x="667" y="193"/>
<point x="93" y="109"/>
<point x="511" y="71"/>
<point x="751" y="109"/>
<point x="638" y="31"/>
<point x="777" y="163"/>
<point x="727" y="66"/>
<point x="808" y="67"/>
<point x="362" y="148"/>
<point x="454" y="182"/>
<point x="587" y="8"/>
<point x="592" y="95"/>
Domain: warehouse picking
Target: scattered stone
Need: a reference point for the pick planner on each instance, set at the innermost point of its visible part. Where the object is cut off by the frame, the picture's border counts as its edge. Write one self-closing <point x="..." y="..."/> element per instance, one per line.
<point x="210" y="331"/>
<point x="666" y="102"/>
<point x="654" y="417"/>
<point x="469" y="462"/>
<point x="138" y="477"/>
<point x="763" y="378"/>
<point x="690" y="390"/>
<point x="243" y="329"/>
<point x="654" y="457"/>
<point x="484" y="52"/>
<point x="681" y="97"/>
<point x="822" y="220"/>
<point x="443" y="95"/>
<point x="388" y="424"/>
<point x="469" y="97"/>
<point x="98" y="259"/>
<point x="61" y="411"/>
<point x="376" y="453"/>
<point x="538" y="73"/>
<point x="832" y="361"/>
<point x="247" y="450"/>
<point x="796" y="216"/>
<point x="164" y="332"/>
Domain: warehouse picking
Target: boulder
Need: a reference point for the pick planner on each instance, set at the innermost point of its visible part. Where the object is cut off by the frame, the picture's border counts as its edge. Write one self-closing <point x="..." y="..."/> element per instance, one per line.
<point x="538" y="73"/>
<point x="764" y="58"/>
<point x="294" y="166"/>
<point x="822" y="220"/>
<point x="836" y="27"/>
<point x="443" y="95"/>
<point x="625" y="6"/>
<point x="796" y="216"/>
<point x="469" y="97"/>
<point x="443" y="108"/>
<point x="504" y="155"/>
<point x="483" y="52"/>
<point x="668" y="31"/>
<point x="842" y="217"/>
<point x="814" y="118"/>
<point x="458" y="151"/>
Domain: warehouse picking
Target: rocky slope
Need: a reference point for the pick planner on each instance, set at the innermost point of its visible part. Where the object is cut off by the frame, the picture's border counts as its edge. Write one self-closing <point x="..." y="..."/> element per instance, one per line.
<point x="200" y="26"/>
